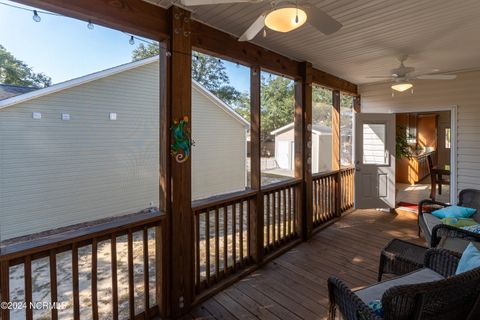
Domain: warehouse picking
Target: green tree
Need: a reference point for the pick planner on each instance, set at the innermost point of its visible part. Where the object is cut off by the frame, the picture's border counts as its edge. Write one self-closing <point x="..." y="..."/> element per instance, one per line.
<point x="16" y="72"/>
<point x="277" y="104"/>
<point x="207" y="70"/>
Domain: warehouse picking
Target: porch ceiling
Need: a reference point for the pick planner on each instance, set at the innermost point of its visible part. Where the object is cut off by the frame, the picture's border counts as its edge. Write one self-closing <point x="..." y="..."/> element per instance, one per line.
<point x="437" y="34"/>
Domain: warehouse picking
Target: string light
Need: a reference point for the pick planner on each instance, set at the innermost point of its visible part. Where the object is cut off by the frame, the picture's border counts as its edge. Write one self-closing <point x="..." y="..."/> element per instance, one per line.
<point x="36" y="17"/>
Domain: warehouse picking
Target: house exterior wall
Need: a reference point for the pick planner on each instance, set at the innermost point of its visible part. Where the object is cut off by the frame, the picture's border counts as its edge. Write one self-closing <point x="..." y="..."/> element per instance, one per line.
<point x="284" y="149"/>
<point x="220" y="150"/>
<point x="55" y="173"/>
<point x="462" y="92"/>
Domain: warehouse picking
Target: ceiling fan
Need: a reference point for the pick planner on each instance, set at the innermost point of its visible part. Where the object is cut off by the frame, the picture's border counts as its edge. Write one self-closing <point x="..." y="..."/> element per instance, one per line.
<point x="403" y="75"/>
<point x="284" y="16"/>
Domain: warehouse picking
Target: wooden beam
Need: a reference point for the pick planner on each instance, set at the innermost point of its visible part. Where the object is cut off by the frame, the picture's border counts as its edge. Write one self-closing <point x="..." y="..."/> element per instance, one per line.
<point x="256" y="218"/>
<point x="133" y="16"/>
<point x="182" y="238"/>
<point x="212" y="41"/>
<point x="299" y="170"/>
<point x="336" y="130"/>
<point x="336" y="147"/>
<point x="333" y="82"/>
<point x="306" y="145"/>
<point x="162" y="233"/>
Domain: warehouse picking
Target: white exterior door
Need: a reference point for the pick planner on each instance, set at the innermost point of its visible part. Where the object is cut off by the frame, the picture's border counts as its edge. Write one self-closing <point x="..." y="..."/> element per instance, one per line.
<point x="374" y="160"/>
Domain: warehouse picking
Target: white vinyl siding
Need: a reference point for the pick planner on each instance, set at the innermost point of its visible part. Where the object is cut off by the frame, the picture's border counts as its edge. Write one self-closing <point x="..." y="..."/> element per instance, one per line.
<point x="462" y="92"/>
<point x="219" y="153"/>
<point x="55" y="173"/>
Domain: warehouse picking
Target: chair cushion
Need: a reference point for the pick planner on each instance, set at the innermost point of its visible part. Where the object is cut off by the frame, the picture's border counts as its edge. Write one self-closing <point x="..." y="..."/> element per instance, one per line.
<point x="454" y="212"/>
<point x="459" y="222"/>
<point x="470" y="259"/>
<point x="430" y="221"/>
<point x="376" y="291"/>
<point x="453" y="244"/>
<point x="475" y="228"/>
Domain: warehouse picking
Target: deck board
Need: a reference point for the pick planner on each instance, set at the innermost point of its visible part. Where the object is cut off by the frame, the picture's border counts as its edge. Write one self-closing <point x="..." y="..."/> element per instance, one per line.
<point x="294" y="285"/>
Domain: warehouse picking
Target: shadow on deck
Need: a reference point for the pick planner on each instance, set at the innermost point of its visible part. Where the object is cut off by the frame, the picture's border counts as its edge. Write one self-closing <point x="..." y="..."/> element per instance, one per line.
<point x="294" y="286"/>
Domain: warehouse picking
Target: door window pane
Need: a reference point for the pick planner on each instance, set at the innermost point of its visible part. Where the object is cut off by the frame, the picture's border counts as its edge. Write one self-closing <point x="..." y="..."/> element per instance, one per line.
<point x="374" y="144"/>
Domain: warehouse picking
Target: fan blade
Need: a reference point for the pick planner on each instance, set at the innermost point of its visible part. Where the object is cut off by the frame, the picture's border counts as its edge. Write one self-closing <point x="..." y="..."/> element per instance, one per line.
<point x="254" y="29"/>
<point x="436" y="77"/>
<point x="321" y="20"/>
<point x="379" y="77"/>
<point x="207" y="2"/>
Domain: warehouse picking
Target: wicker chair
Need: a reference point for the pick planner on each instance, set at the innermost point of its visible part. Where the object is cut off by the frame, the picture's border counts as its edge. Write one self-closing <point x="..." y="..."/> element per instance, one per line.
<point x="433" y="229"/>
<point x="450" y="296"/>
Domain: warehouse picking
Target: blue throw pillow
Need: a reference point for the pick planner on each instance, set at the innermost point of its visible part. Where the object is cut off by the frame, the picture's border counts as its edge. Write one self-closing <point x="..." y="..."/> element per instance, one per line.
<point x="470" y="259"/>
<point x="474" y="228"/>
<point x="376" y="306"/>
<point x="454" y="212"/>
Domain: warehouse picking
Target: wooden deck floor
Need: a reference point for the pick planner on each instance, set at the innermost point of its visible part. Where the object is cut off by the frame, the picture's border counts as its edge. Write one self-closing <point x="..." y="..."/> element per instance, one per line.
<point x="294" y="285"/>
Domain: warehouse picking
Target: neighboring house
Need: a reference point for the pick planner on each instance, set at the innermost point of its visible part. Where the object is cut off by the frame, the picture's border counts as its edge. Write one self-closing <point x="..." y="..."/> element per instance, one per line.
<point x="321" y="141"/>
<point x="75" y="164"/>
<point x="8" y="90"/>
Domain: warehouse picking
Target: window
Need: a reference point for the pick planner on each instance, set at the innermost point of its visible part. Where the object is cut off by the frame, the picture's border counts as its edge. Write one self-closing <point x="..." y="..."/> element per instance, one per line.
<point x="447" y="138"/>
<point x="374" y="144"/>
<point x="321" y="144"/>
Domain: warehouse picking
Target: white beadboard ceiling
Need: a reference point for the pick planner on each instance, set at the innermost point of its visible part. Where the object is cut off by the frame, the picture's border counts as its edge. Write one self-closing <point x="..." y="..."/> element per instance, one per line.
<point x="438" y="35"/>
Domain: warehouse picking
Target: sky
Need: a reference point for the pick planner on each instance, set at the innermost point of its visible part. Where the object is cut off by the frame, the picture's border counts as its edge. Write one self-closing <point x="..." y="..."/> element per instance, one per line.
<point x="64" y="48"/>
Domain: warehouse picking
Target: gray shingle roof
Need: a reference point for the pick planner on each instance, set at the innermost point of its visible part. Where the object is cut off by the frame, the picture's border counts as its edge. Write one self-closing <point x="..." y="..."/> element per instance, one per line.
<point x="8" y="91"/>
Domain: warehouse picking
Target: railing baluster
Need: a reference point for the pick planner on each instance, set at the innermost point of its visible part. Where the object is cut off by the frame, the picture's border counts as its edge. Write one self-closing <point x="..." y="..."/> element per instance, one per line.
<point x="217" y="245"/>
<point x="267" y="197"/>
<point x="274" y="220"/>
<point x="207" y="245"/>
<point x="146" y="275"/>
<point x="75" y="280"/>
<point x="27" y="263"/>
<point x="94" y="279"/>
<point x="225" y="239"/>
<point x="131" y="280"/>
<point x="53" y="283"/>
<point x="113" y="243"/>
<point x="240" y="218"/>
<point x="248" y="230"/>
<point x="284" y="210"/>
<point x="196" y="218"/>
<point x="234" y="237"/>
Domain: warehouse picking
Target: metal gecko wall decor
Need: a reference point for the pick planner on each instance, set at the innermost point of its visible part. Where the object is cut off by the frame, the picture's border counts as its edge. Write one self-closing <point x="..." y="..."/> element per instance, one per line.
<point x="182" y="140"/>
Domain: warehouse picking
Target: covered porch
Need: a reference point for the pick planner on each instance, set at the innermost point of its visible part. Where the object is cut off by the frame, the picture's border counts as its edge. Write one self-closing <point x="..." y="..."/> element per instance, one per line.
<point x="294" y="285"/>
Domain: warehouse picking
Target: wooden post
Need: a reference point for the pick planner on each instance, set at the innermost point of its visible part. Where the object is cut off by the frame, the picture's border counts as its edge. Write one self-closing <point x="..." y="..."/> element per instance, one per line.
<point x="336" y="145"/>
<point x="179" y="106"/>
<point x="256" y="212"/>
<point x="304" y="127"/>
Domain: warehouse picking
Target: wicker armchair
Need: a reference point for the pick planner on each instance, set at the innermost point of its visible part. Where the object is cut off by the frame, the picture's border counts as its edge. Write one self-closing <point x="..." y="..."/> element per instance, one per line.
<point x="450" y="297"/>
<point x="433" y="229"/>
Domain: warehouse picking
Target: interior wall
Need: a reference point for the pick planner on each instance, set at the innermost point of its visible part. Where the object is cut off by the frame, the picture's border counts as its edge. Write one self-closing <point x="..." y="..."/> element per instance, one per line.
<point x="428" y="94"/>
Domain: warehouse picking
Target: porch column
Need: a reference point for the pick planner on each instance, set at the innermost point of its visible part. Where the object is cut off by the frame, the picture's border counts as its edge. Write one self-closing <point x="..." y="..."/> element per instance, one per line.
<point x="303" y="148"/>
<point x="256" y="213"/>
<point x="336" y="152"/>
<point x="178" y="107"/>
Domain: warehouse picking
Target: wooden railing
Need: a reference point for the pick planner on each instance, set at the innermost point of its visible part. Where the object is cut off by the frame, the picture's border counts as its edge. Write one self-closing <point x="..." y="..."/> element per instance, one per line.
<point x="329" y="201"/>
<point x="280" y="216"/>
<point x="347" y="187"/>
<point x="324" y="197"/>
<point x="102" y="271"/>
<point x="222" y="237"/>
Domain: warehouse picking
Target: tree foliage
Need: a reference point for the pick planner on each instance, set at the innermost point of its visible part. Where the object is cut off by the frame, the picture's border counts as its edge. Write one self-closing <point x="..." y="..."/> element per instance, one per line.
<point x="15" y="72"/>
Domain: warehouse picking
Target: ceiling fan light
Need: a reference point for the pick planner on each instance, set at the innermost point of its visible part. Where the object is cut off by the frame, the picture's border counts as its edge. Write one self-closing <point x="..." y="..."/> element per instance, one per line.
<point x="285" y="19"/>
<point x="402" y="86"/>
